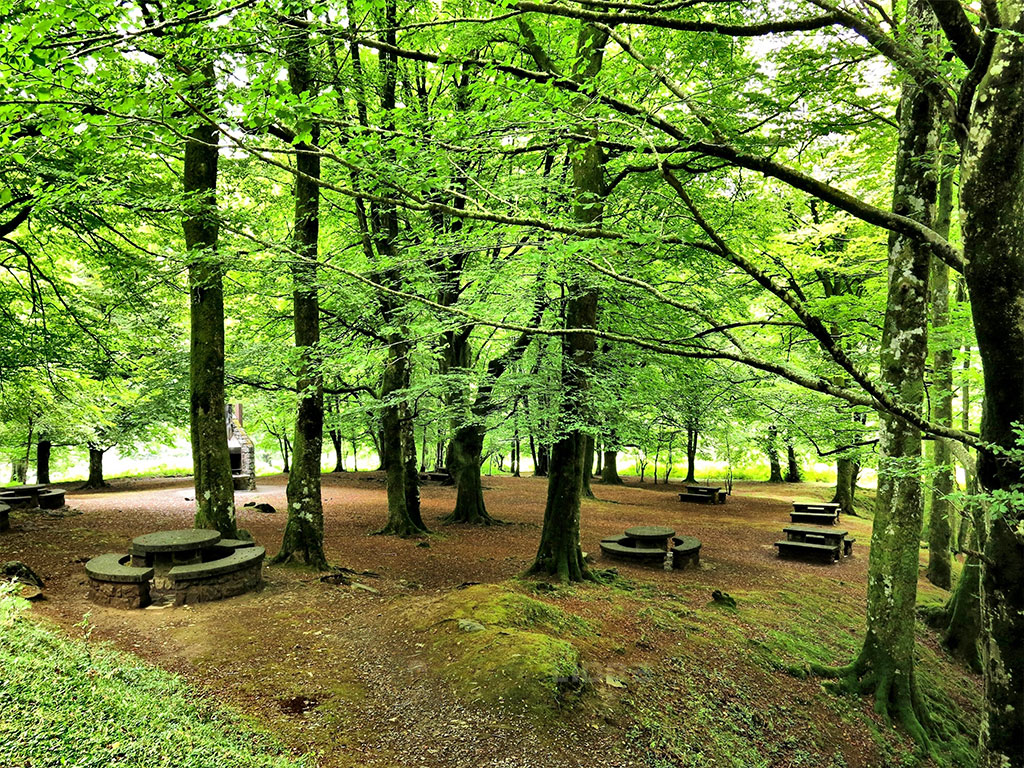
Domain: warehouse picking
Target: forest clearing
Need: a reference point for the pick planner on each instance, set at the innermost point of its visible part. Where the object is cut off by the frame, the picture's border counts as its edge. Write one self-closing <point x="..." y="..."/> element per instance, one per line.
<point x="512" y="383"/>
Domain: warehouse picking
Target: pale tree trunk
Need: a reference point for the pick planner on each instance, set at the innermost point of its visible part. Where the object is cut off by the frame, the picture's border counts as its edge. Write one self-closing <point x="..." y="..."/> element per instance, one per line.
<point x="992" y="219"/>
<point x="304" y="532"/>
<point x="772" y="449"/>
<point x="885" y="664"/>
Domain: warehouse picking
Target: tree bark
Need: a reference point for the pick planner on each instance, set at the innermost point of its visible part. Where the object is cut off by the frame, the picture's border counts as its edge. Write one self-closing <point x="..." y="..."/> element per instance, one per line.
<point x="610" y="472"/>
<point x="692" y="436"/>
<point x="992" y="221"/>
<point x="215" y="491"/>
<point x="304" y="531"/>
<point x="19" y="470"/>
<point x="792" y="467"/>
<point x="885" y="664"/>
<point x="95" y="468"/>
<point x="846" y="482"/>
<point x="543" y="463"/>
<point x="772" y="449"/>
<point x="588" y="465"/>
<point x="43" y="448"/>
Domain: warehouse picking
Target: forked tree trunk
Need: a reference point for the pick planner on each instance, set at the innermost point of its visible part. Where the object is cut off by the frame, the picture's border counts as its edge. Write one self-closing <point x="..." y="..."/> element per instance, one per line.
<point x="95" y="469"/>
<point x="465" y="453"/>
<point x="610" y="472"/>
<point x="215" y="491"/>
<point x="43" y="448"/>
<point x="304" y="531"/>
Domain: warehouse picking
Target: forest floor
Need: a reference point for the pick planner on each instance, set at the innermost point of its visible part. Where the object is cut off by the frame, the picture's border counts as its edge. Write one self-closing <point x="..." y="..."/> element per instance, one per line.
<point x="381" y="676"/>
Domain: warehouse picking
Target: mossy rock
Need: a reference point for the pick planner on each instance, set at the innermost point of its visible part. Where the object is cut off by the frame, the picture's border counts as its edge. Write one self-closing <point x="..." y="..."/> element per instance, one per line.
<point x="515" y="659"/>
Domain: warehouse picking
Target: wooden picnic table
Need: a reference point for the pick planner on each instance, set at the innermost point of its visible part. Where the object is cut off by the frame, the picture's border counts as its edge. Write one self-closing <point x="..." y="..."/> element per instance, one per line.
<point x="657" y="535"/>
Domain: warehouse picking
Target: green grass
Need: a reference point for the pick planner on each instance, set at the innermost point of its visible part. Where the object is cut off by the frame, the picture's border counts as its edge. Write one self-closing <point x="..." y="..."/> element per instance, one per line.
<point x="75" y="704"/>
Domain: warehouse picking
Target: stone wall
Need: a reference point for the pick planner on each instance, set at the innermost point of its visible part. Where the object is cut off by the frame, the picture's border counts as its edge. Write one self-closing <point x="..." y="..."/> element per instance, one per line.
<point x="218" y="587"/>
<point x="119" y="595"/>
<point x="245" y="478"/>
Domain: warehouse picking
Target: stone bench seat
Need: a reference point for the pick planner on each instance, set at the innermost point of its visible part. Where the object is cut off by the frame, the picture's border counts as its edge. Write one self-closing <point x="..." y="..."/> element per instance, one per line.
<point x="698" y="498"/>
<point x="113" y="582"/>
<point x="236" y="543"/>
<point x="827" y="553"/>
<point x="619" y="546"/>
<point x="52" y="499"/>
<point x="238" y="572"/>
<point x="816" y="518"/>
<point x="15" y="501"/>
<point x="685" y="551"/>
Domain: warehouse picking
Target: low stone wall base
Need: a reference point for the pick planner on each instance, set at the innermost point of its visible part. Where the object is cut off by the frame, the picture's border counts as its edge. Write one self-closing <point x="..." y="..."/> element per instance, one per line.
<point x="118" y="594"/>
<point x="218" y="587"/>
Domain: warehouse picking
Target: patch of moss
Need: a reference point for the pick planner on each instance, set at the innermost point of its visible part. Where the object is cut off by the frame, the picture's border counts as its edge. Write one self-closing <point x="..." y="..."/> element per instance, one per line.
<point x="519" y="658"/>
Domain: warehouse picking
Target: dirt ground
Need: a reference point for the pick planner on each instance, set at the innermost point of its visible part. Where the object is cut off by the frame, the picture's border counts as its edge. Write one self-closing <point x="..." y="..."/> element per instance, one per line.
<point x="338" y="674"/>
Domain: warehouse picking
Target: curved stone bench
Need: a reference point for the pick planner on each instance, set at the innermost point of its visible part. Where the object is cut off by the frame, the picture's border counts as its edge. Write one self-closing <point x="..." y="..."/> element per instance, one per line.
<point x="685" y="551"/>
<point x="618" y="546"/>
<point x="239" y="572"/>
<point x="16" y="501"/>
<point x="51" y="499"/>
<point x="5" y="519"/>
<point x="113" y="582"/>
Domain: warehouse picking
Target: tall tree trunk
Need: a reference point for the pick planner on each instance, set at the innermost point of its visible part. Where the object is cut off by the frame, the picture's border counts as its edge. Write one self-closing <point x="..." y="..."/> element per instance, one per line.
<point x="95" y="468"/>
<point x="885" y="664"/>
<point x="543" y="462"/>
<point x="215" y="491"/>
<point x="610" y="470"/>
<point x="597" y="460"/>
<point x="792" y="466"/>
<point x="772" y="449"/>
<point x="338" y="442"/>
<point x="992" y="219"/>
<point x="19" y="469"/>
<point x="465" y="453"/>
<point x="412" y="477"/>
<point x="691" y="454"/>
<point x="588" y="465"/>
<point x="43" y="448"/>
<point x="939" y="570"/>
<point x="304" y="532"/>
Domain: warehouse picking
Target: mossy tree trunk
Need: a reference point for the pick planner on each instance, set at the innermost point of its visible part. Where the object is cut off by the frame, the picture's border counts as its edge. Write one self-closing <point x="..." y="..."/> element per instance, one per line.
<point x="304" y="531"/>
<point x="412" y="476"/>
<point x="19" y="469"/>
<point x="43" y="449"/>
<point x="992" y="221"/>
<point x="692" y="435"/>
<point x="215" y="492"/>
<point x="772" y="449"/>
<point x="885" y="665"/>
<point x="846" y="483"/>
<point x="588" y="465"/>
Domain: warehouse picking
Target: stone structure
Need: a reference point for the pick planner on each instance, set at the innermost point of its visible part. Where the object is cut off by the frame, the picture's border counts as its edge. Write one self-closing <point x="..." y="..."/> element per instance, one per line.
<point x="242" y="450"/>
<point x="115" y="582"/>
<point x="240" y="573"/>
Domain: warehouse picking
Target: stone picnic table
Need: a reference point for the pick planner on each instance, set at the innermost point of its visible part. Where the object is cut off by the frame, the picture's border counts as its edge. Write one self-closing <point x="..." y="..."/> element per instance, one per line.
<point x="164" y="550"/>
<point x="656" y="535"/>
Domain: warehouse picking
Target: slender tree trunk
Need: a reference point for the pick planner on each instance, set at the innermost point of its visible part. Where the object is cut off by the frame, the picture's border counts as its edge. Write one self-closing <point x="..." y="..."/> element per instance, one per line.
<point x="339" y="458"/>
<point x="885" y="664"/>
<point x="43" y="448"/>
<point x="792" y="466"/>
<point x="691" y="455"/>
<point x="543" y="461"/>
<point x="412" y="477"/>
<point x="19" y="470"/>
<point x="597" y="460"/>
<point x="772" y="449"/>
<point x="939" y="526"/>
<point x="304" y="531"/>
<point x="215" y="491"/>
<point x="992" y="221"/>
<point x="355" y="455"/>
<point x="588" y="465"/>
<point x="846" y="479"/>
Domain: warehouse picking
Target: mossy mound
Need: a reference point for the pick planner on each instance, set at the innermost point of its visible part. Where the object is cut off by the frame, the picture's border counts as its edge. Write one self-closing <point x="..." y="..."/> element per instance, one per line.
<point x="501" y="648"/>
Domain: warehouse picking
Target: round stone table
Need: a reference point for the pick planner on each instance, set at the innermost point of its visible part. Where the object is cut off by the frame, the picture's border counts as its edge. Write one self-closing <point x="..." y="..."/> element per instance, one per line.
<point x="658" y="535"/>
<point x="165" y="549"/>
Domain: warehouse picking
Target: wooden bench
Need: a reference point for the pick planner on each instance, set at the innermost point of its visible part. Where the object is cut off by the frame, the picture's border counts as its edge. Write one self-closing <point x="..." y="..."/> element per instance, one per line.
<point x="714" y="491"/>
<point x="685" y="551"/>
<point x="238" y="572"/>
<point x="827" y="553"/>
<point x="441" y="476"/>
<point x="848" y="546"/>
<point x="113" y="582"/>
<point x="697" y="498"/>
<point x="5" y="519"/>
